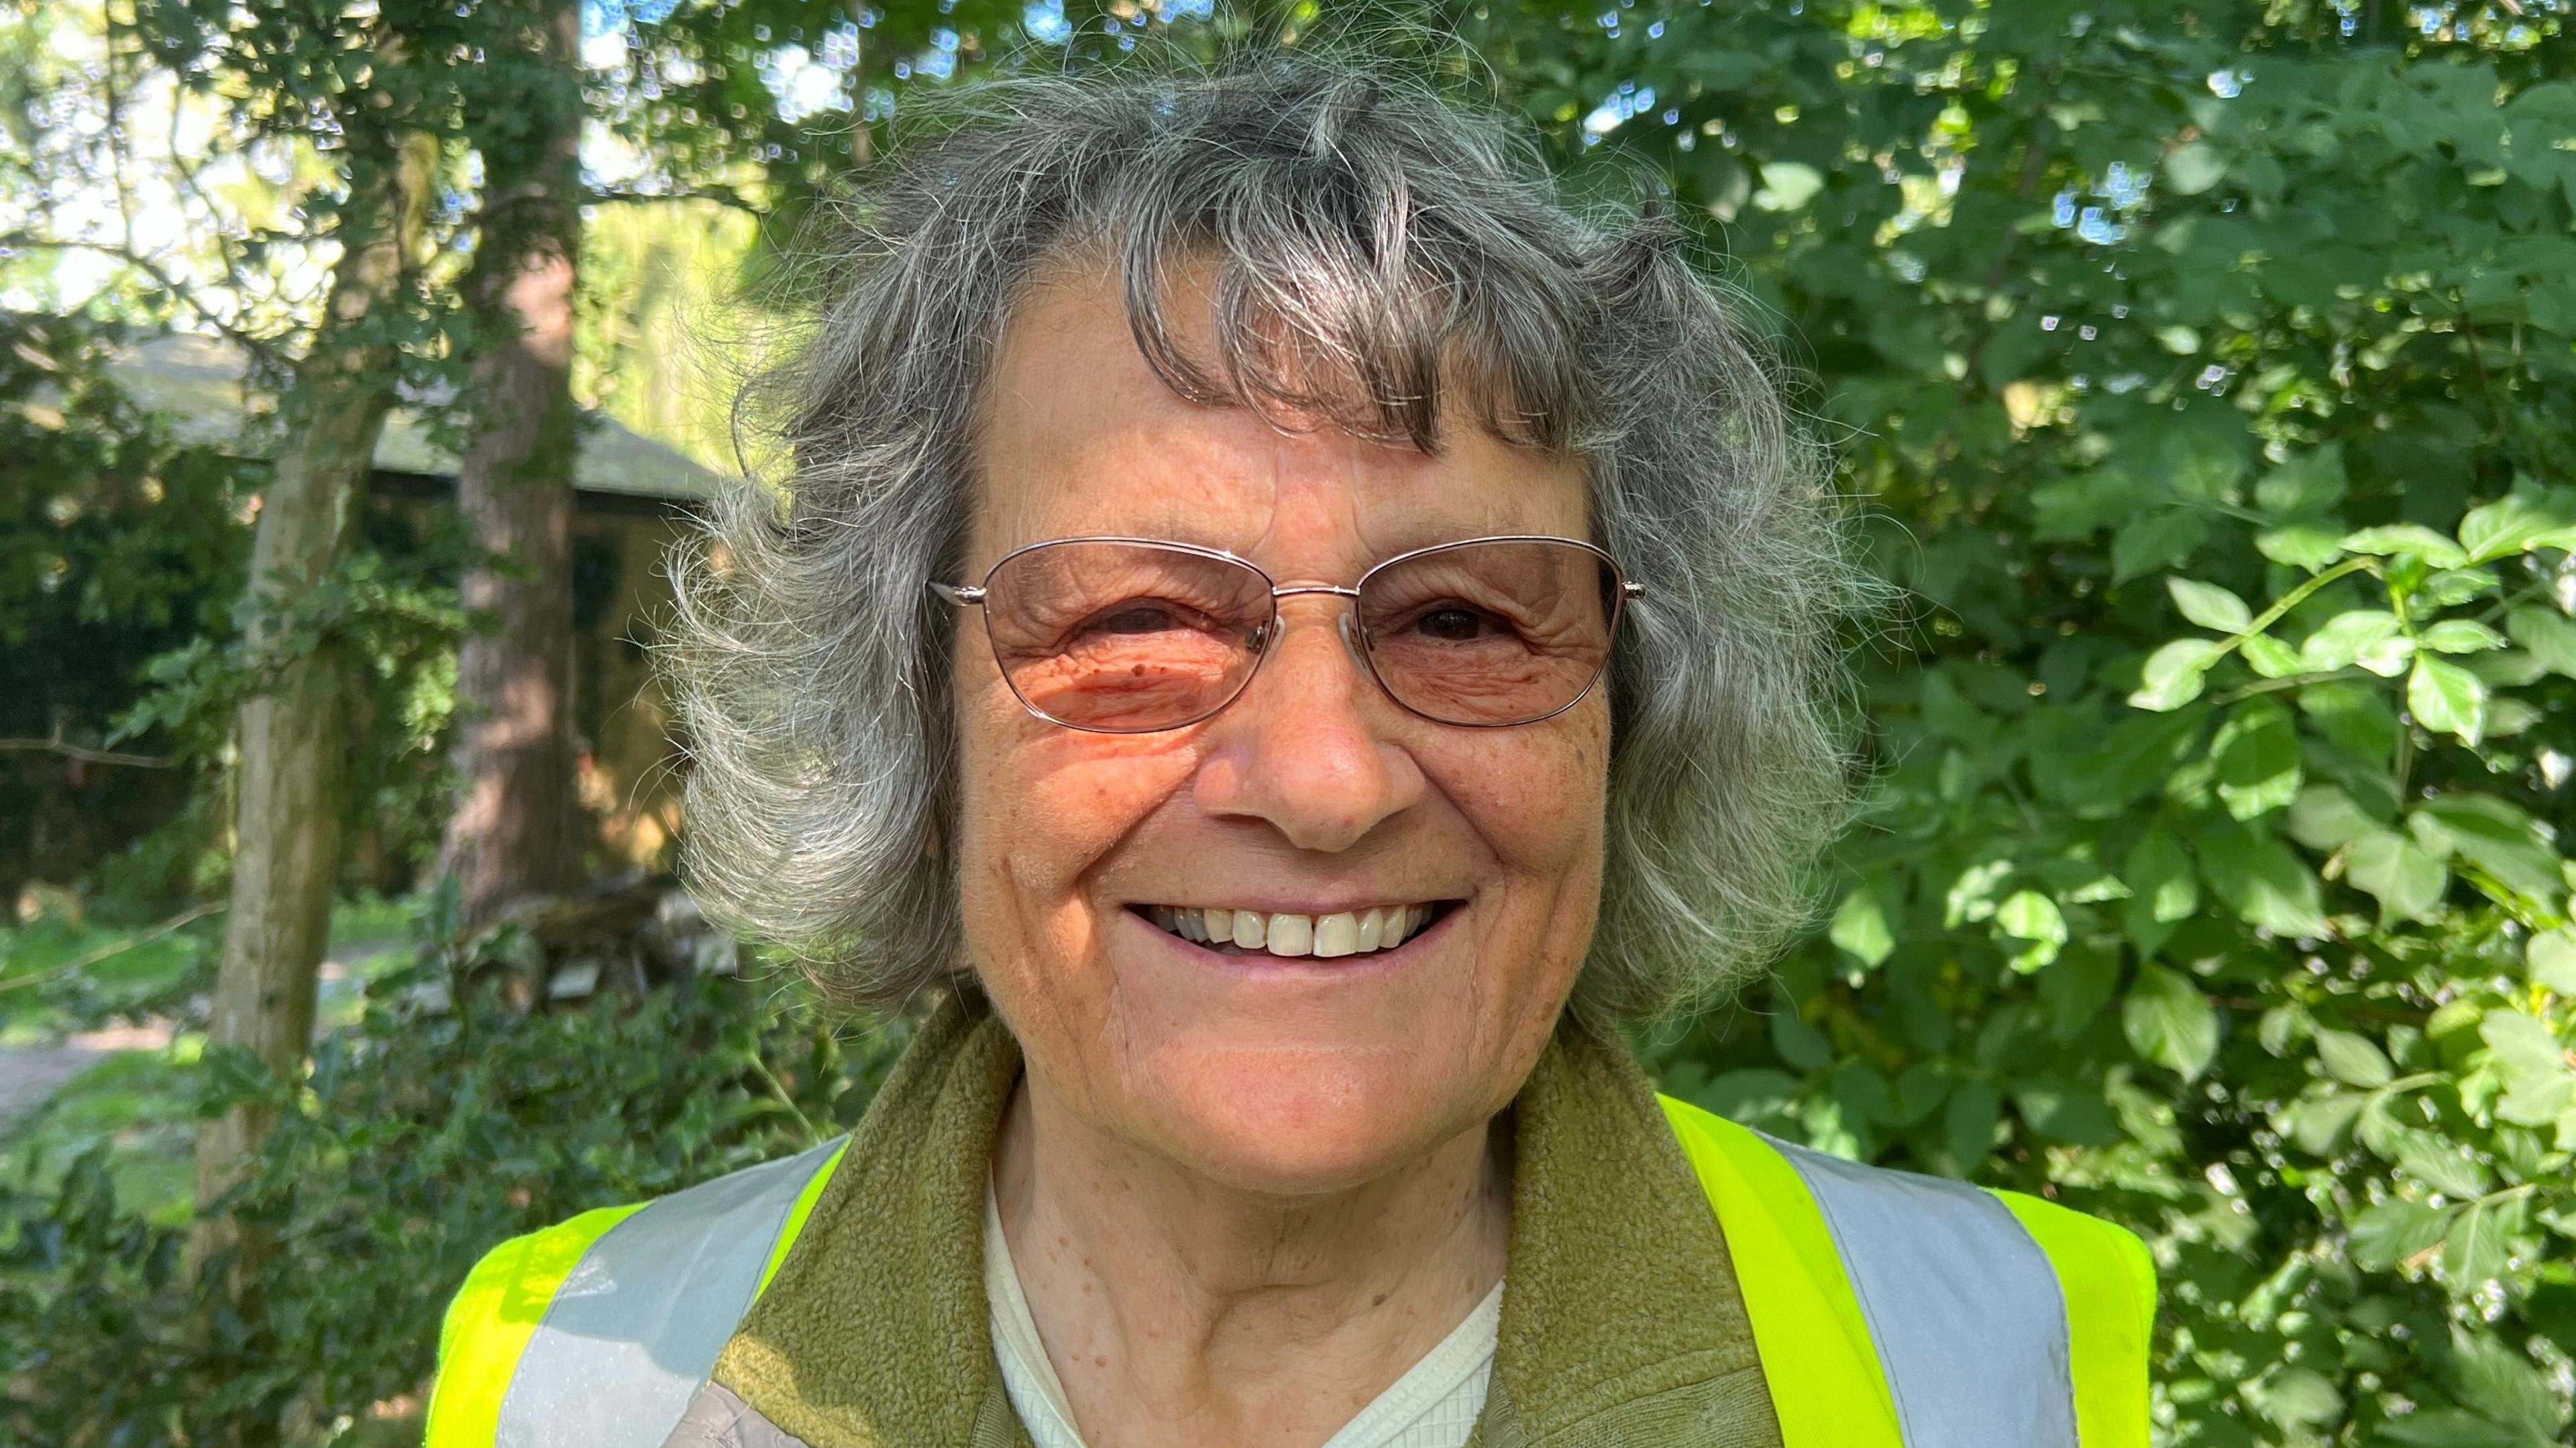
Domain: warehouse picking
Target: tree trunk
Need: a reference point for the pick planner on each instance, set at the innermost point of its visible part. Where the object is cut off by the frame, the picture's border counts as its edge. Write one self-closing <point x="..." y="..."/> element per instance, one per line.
<point x="292" y="773"/>
<point x="514" y="832"/>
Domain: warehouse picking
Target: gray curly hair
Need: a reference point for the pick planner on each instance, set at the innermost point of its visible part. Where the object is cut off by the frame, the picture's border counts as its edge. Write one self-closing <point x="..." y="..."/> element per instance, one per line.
<point x="1417" y="249"/>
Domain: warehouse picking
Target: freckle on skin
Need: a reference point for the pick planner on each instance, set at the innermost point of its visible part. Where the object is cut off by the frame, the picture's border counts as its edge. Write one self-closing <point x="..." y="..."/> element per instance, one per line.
<point x="1378" y="1301"/>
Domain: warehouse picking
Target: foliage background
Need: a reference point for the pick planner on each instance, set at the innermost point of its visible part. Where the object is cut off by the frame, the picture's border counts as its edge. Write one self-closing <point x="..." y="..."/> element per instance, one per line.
<point x="2208" y="376"/>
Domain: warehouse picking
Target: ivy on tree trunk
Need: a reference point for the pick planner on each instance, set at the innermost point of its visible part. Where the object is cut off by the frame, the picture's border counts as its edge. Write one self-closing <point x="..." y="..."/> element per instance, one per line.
<point x="293" y="732"/>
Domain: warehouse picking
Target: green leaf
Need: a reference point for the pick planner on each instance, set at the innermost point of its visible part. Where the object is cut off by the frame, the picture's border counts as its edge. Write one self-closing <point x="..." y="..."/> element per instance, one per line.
<point x="1968" y="1122"/>
<point x="2509" y="668"/>
<point x="2495" y="836"/>
<point x="1797" y="1042"/>
<point x="2407" y="880"/>
<point x="2323" y="817"/>
<point x="2524" y="1048"/>
<point x="2209" y="605"/>
<point x="2295" y="1398"/>
<point x="2159" y="877"/>
<point x="2032" y="916"/>
<point x="2396" y="1230"/>
<point x="2130" y="762"/>
<point x="2455" y="586"/>
<point x="2066" y="1109"/>
<point x="2518" y="523"/>
<point x="1863" y="1093"/>
<point x="2443" y="1165"/>
<point x="2447" y="699"/>
<point x="2301" y="545"/>
<point x="2551" y="958"/>
<point x="2076" y="988"/>
<point x="2508" y="716"/>
<point x="1972" y="892"/>
<point x="2284" y="1026"/>
<point x="2455" y="1428"/>
<point x="2158" y="540"/>
<point x="2502" y="1384"/>
<point x="2304" y="486"/>
<point x="2341" y="639"/>
<point x="2550" y="638"/>
<point x="233" y="1076"/>
<point x="2397" y="539"/>
<point x="2169" y="1022"/>
<point x="2079" y="506"/>
<point x="1860" y="927"/>
<point x="1788" y="186"/>
<point x="2354" y="1059"/>
<point x="2262" y="881"/>
<point x="2461" y="636"/>
<point x="2173" y="675"/>
<point x="2193" y="168"/>
<point x="2476" y="1250"/>
<point x="2386" y="658"/>
<point x="1752" y="1097"/>
<point x="2540" y="1101"/>
<point x="1916" y="1093"/>
<point x="2163" y="890"/>
<point x="2269" y="656"/>
<point x="2321" y="1124"/>
<point x="2257" y="758"/>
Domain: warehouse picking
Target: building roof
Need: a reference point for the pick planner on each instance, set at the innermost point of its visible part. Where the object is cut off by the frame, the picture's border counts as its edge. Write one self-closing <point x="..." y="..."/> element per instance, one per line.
<point x="198" y="382"/>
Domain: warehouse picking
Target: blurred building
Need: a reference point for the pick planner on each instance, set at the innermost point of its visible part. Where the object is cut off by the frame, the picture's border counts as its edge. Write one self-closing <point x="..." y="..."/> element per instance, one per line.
<point x="633" y="497"/>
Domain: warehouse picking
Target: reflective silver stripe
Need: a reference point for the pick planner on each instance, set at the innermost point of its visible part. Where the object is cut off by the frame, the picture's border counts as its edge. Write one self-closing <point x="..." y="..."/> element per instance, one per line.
<point x="636" y="1326"/>
<point x="1964" y="1307"/>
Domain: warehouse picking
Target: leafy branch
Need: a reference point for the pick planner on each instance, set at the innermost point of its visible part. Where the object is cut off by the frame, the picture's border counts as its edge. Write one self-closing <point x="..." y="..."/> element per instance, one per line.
<point x="161" y="276"/>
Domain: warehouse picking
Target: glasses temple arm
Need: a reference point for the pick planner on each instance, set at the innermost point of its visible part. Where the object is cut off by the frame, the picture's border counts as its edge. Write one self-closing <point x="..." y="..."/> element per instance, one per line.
<point x="964" y="595"/>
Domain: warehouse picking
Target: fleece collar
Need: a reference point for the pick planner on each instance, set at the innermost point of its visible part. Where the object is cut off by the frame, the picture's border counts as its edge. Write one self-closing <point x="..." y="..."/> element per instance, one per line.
<point x="1621" y="1323"/>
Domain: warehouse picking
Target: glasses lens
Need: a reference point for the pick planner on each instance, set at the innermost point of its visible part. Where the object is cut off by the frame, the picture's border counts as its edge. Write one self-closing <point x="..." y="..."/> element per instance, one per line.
<point x="1494" y="632"/>
<point x="1125" y="638"/>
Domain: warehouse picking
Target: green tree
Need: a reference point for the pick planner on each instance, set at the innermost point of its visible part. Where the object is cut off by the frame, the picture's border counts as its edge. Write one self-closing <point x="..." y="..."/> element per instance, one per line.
<point x="292" y="725"/>
<point x="2206" y="375"/>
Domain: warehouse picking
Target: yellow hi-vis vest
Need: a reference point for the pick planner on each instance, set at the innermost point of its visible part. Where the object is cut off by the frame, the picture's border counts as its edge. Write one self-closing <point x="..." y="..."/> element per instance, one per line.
<point x="1890" y="1310"/>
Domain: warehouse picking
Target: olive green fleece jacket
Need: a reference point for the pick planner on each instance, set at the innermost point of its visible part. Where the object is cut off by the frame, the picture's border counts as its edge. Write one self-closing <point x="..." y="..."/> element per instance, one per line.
<point x="1622" y="1325"/>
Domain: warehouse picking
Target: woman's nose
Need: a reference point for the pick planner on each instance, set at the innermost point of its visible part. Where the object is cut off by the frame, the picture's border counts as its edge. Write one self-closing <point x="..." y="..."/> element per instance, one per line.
<point x="1307" y="746"/>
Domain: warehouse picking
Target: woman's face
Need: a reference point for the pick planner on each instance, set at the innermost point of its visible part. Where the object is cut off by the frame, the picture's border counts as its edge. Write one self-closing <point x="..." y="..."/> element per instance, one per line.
<point x="1312" y="794"/>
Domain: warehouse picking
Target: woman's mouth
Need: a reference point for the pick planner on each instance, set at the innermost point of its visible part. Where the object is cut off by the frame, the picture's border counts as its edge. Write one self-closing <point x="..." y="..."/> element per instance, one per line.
<point x="1286" y="934"/>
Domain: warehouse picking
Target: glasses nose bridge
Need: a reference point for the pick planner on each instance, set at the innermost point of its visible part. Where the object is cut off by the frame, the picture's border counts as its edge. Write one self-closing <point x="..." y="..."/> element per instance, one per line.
<point x="1294" y="587"/>
<point x="1347" y="624"/>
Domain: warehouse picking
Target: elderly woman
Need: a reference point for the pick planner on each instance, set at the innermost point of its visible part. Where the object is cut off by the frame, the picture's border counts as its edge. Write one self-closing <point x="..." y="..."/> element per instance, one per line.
<point x="1290" y="637"/>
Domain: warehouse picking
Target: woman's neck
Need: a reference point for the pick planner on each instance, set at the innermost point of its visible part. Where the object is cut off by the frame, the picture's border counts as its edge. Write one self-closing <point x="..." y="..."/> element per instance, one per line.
<point x="1180" y="1312"/>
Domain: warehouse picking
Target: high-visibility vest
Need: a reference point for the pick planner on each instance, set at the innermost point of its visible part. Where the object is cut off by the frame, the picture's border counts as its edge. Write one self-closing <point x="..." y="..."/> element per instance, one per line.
<point x="1890" y="1310"/>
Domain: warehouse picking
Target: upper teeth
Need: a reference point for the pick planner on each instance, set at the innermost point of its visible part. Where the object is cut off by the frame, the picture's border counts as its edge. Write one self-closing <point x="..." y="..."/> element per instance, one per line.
<point x="1343" y="933"/>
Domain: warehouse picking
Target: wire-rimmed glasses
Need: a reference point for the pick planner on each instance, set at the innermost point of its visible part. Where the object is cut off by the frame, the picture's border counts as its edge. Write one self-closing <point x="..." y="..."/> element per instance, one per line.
<point x="1140" y="635"/>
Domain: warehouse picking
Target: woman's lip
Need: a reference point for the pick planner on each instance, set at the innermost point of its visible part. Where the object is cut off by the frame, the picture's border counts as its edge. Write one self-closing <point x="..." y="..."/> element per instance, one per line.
<point x="1262" y="961"/>
<point x="1310" y="911"/>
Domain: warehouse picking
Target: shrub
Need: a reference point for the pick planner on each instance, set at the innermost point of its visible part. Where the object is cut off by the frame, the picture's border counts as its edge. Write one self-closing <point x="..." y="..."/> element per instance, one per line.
<point x="421" y="1137"/>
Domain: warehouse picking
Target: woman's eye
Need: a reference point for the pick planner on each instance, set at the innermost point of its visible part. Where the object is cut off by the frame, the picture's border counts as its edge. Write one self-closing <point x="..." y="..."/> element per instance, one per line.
<point x="1455" y="625"/>
<point x="1139" y="618"/>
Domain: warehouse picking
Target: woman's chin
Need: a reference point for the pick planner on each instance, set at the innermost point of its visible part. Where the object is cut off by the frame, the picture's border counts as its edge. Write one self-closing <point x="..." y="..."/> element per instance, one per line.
<point x="1302" y="1123"/>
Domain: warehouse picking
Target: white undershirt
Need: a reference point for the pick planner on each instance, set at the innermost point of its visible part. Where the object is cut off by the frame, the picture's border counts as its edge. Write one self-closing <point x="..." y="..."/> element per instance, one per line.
<point x="1434" y="1405"/>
